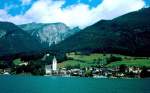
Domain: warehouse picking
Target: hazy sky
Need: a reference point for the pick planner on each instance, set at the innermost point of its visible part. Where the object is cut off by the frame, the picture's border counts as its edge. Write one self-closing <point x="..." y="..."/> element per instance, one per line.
<point x="74" y="13"/>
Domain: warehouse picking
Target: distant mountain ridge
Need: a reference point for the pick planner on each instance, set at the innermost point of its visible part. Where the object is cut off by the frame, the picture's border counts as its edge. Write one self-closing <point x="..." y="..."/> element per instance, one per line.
<point x="49" y="33"/>
<point x="127" y="34"/>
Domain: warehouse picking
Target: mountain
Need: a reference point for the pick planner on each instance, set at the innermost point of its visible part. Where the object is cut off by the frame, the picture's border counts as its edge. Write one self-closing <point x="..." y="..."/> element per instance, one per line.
<point x="49" y="33"/>
<point x="128" y="34"/>
<point x="14" y="40"/>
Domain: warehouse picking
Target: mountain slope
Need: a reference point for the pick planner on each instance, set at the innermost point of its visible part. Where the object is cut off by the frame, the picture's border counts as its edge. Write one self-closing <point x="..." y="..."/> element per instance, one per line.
<point x="14" y="40"/>
<point x="127" y="34"/>
<point x="49" y="33"/>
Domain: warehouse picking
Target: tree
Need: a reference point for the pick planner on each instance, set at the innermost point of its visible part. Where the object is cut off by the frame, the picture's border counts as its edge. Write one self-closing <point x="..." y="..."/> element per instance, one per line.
<point x="145" y="73"/>
<point x="2" y="65"/>
<point x="76" y="66"/>
<point x="68" y="67"/>
<point x="113" y="59"/>
<point x="88" y="73"/>
<point x="122" y="68"/>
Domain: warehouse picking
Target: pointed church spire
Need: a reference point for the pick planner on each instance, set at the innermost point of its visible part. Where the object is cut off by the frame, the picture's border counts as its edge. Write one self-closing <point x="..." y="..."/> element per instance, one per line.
<point x="54" y="65"/>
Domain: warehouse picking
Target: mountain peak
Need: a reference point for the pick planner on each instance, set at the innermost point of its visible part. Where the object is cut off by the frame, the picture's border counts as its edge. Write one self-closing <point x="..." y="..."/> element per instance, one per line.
<point x="49" y="32"/>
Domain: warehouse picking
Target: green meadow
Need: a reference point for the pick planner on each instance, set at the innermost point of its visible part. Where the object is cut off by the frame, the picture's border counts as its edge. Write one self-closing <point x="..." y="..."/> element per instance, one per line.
<point x="136" y="62"/>
<point x="83" y="60"/>
<point x="101" y="59"/>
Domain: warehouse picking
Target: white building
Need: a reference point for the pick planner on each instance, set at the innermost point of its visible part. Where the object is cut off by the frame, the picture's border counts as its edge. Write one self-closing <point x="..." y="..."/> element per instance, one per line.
<point x="48" y="70"/>
<point x="54" y="65"/>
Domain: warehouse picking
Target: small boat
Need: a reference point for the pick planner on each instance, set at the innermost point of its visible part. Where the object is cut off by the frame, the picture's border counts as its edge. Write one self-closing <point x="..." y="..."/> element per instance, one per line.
<point x="99" y="76"/>
<point x="6" y="73"/>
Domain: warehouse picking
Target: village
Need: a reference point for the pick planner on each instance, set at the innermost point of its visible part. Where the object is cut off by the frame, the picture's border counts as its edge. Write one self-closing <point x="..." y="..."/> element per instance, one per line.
<point x="101" y="71"/>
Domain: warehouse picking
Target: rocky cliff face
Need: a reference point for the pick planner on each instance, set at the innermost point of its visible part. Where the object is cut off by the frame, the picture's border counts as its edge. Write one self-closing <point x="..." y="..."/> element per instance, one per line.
<point x="49" y="33"/>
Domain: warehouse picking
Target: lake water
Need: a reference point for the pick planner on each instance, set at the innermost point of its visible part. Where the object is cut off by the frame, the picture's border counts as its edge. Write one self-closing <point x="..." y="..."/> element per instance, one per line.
<point x="30" y="84"/>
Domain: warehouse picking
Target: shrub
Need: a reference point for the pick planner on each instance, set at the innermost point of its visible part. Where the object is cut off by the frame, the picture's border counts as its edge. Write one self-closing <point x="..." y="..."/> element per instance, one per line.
<point x="113" y="59"/>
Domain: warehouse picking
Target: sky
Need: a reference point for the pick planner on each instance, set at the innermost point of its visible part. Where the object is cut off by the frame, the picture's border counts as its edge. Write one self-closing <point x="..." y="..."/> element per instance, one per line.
<point x="73" y="13"/>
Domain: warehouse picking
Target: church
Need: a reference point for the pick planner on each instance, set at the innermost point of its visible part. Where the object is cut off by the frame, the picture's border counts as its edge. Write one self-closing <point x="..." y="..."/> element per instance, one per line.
<point x="49" y="69"/>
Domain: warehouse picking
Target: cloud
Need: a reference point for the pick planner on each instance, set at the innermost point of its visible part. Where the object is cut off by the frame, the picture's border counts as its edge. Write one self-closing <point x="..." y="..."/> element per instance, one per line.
<point x="79" y="14"/>
<point x="3" y="14"/>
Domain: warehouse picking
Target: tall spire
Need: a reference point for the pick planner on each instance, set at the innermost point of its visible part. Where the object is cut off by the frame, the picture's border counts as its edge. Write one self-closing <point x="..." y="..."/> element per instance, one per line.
<point x="54" y="65"/>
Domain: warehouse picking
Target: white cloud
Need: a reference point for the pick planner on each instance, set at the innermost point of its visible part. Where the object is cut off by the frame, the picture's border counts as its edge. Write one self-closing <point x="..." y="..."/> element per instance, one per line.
<point x="3" y="14"/>
<point x="49" y="11"/>
<point x="26" y="2"/>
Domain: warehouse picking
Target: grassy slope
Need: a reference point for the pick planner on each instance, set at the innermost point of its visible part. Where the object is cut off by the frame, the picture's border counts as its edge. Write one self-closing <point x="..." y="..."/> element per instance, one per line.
<point x="90" y="60"/>
<point x="83" y="60"/>
<point x="136" y="62"/>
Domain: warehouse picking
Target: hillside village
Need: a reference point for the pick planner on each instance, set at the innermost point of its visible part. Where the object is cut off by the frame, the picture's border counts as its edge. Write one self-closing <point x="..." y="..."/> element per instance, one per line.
<point x="100" y="70"/>
<point x="94" y="65"/>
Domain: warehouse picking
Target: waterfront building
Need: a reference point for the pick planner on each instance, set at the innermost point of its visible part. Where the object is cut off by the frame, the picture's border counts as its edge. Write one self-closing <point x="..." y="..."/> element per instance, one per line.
<point x="48" y="70"/>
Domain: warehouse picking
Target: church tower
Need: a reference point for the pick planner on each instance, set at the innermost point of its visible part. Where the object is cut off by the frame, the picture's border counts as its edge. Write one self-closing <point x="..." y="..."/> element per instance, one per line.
<point x="54" y="65"/>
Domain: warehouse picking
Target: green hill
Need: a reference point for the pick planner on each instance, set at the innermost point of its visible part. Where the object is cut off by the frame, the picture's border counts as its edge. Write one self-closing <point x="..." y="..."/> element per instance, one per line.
<point x="106" y="60"/>
<point x="14" y="40"/>
<point x="128" y="34"/>
<point x="136" y="62"/>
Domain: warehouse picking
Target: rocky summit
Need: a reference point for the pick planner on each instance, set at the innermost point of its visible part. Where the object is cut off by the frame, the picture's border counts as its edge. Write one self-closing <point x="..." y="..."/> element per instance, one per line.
<point x="49" y="33"/>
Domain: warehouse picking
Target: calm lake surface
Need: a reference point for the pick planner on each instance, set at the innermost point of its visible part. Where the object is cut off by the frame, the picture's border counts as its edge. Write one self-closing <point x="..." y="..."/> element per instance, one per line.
<point x="30" y="84"/>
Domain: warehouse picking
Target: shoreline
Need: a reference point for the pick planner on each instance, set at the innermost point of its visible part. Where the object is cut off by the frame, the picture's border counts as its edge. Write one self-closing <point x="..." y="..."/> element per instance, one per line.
<point x="127" y="78"/>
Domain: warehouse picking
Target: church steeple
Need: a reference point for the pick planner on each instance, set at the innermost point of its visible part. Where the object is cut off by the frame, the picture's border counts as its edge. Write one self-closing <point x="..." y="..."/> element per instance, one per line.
<point x="54" y="65"/>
